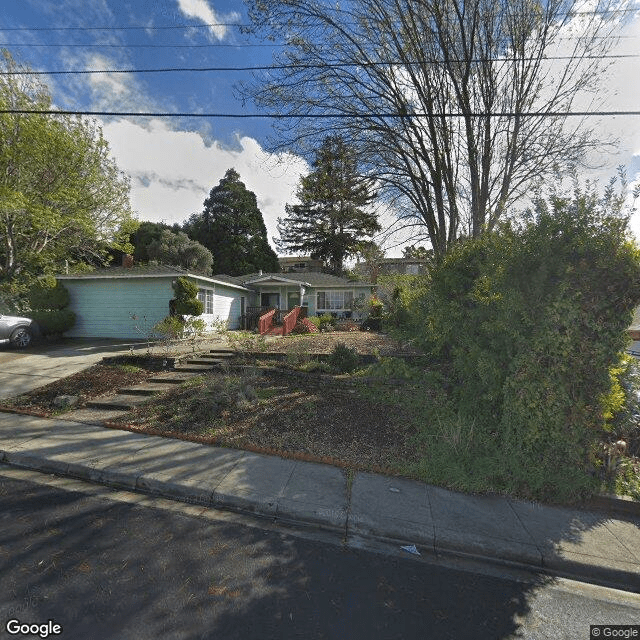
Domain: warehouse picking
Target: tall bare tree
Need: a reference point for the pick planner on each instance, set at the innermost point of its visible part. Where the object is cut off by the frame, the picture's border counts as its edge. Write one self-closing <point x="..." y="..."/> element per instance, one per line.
<point x="455" y="106"/>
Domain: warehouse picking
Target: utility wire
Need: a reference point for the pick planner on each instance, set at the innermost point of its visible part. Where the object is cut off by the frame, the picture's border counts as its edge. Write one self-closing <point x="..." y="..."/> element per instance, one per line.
<point x="318" y="116"/>
<point x="143" y="46"/>
<point x="248" y="25"/>
<point x="282" y="67"/>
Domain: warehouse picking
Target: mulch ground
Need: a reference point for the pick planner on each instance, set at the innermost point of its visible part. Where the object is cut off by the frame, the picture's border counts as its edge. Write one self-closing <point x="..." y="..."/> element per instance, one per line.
<point x="363" y="342"/>
<point x="93" y="382"/>
<point x="298" y="416"/>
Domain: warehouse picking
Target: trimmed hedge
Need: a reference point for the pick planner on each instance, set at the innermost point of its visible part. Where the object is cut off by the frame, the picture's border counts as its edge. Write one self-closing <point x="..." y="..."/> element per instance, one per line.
<point x="55" y="321"/>
<point x="48" y="300"/>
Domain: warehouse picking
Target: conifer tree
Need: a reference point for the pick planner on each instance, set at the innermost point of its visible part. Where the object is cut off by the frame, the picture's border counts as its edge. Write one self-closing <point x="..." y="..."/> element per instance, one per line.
<point x="334" y="215"/>
<point x="232" y="228"/>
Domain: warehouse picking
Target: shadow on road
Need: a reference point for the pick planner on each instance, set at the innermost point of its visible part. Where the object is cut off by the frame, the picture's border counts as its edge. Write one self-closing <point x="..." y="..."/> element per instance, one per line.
<point x="106" y="569"/>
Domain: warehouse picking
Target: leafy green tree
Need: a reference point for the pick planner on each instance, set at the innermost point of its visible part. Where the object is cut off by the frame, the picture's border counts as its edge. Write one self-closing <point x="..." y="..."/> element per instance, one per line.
<point x="62" y="198"/>
<point x="179" y="250"/>
<point x="334" y="215"/>
<point x="232" y="228"/>
<point x="143" y="236"/>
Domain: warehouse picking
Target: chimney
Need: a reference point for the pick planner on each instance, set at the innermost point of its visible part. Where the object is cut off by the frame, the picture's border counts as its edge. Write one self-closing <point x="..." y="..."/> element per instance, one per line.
<point x="127" y="261"/>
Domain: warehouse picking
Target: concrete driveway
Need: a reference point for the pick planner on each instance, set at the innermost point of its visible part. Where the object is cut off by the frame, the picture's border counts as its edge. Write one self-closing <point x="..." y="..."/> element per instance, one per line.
<point x="24" y="370"/>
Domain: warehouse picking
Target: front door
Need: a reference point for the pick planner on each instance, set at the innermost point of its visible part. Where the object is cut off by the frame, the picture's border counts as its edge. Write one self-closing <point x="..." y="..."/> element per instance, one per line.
<point x="271" y="300"/>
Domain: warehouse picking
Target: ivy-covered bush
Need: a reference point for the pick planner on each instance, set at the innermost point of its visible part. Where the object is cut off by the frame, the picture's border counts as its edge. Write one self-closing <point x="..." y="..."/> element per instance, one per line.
<point x="531" y="321"/>
<point x="48" y="300"/>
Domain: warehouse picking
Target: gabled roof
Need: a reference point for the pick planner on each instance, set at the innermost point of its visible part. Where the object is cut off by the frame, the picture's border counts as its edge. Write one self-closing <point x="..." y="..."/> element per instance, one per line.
<point x="150" y="271"/>
<point x="309" y="279"/>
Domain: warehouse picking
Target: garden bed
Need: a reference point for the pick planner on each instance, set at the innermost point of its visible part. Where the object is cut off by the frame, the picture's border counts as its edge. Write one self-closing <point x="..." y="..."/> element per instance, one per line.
<point x="96" y="381"/>
<point x="271" y="411"/>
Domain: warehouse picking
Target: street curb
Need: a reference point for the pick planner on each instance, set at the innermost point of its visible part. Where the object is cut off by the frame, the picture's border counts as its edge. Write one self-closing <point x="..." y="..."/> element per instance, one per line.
<point x="304" y="517"/>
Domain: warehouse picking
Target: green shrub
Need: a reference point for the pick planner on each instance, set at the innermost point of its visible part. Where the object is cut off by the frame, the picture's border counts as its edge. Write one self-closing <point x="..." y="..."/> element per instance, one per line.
<point x="343" y="359"/>
<point x="185" y="302"/>
<point x="531" y="320"/>
<point x="169" y="328"/>
<point x="54" y="322"/>
<point x="316" y="366"/>
<point x="326" y="322"/>
<point x="315" y="320"/>
<point x="48" y="294"/>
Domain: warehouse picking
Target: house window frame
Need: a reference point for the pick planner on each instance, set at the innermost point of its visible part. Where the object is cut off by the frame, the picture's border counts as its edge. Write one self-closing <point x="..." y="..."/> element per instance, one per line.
<point x="206" y="296"/>
<point x="333" y="308"/>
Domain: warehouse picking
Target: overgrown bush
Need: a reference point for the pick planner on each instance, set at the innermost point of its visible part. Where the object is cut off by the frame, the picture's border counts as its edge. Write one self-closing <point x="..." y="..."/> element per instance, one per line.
<point x="343" y="359"/>
<point x="531" y="320"/>
<point x="169" y="328"/>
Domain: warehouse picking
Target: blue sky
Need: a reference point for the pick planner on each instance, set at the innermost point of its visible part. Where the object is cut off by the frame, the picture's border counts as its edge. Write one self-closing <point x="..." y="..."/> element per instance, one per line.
<point x="173" y="163"/>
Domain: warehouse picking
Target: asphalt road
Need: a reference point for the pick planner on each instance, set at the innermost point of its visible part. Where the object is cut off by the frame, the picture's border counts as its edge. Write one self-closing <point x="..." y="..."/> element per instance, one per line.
<point x="107" y="564"/>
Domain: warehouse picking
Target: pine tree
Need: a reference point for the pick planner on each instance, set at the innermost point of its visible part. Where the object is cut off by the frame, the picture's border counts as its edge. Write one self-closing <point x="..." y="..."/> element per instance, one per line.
<point x="232" y="228"/>
<point x="334" y="215"/>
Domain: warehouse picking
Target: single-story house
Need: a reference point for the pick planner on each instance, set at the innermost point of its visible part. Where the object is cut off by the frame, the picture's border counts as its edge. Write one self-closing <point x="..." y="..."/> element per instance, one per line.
<point x="320" y="293"/>
<point x="127" y="301"/>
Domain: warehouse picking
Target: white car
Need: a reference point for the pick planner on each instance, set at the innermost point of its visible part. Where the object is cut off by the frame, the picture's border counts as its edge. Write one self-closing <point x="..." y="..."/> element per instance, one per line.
<point x="19" y="331"/>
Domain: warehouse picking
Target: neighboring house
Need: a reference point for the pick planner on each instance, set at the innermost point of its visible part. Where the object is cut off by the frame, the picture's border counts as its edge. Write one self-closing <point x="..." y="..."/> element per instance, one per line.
<point x="320" y="293"/>
<point x="390" y="266"/>
<point x="125" y="302"/>
<point x="304" y="264"/>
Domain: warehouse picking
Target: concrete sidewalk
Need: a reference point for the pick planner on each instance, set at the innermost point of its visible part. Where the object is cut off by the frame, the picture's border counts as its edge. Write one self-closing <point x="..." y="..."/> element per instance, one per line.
<point x="588" y="545"/>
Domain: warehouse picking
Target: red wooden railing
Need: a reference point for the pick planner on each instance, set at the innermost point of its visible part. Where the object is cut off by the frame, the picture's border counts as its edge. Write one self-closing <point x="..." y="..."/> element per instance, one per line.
<point x="266" y="321"/>
<point x="290" y="320"/>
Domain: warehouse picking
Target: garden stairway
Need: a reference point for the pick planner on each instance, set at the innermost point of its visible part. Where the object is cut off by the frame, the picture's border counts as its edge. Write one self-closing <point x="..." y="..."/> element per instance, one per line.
<point x="127" y="398"/>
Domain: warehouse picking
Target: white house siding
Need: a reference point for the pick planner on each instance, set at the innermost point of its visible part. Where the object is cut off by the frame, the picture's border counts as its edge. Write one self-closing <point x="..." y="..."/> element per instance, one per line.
<point x="104" y="306"/>
<point x="226" y="307"/>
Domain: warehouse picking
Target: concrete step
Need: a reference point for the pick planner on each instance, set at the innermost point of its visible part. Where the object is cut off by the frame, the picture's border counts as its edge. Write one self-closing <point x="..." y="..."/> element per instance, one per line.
<point x="173" y="377"/>
<point x="121" y="401"/>
<point x="204" y="360"/>
<point x="223" y="353"/>
<point x="149" y="389"/>
<point x="194" y="368"/>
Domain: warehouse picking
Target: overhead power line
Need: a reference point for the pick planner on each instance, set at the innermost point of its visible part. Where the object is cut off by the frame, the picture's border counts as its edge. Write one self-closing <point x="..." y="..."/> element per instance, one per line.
<point x="318" y="116"/>
<point x="130" y="28"/>
<point x="281" y="67"/>
<point x="248" y="25"/>
<point x="109" y="45"/>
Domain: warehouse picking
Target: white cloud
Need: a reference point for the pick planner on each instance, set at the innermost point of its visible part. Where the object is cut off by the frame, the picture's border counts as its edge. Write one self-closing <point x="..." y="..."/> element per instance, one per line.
<point x="201" y="10"/>
<point x="173" y="171"/>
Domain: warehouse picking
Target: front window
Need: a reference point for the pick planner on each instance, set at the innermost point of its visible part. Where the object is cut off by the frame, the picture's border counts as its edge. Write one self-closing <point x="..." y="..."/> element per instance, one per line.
<point x="206" y="297"/>
<point x="334" y="300"/>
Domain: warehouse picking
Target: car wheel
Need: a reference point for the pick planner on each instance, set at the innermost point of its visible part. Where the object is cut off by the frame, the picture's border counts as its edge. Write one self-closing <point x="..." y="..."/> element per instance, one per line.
<point x="21" y="338"/>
